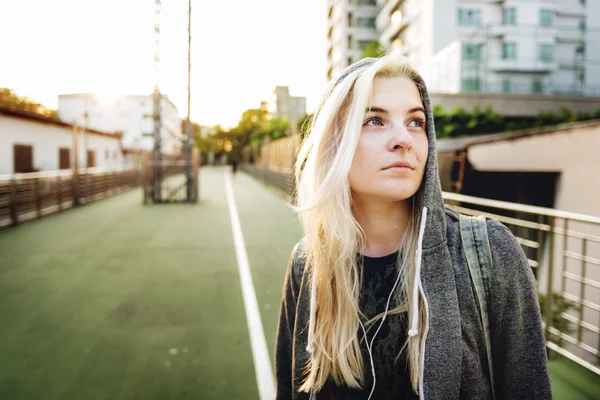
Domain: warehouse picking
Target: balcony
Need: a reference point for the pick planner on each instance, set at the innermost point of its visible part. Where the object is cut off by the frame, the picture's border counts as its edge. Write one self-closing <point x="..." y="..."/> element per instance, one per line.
<point x="385" y="15"/>
<point x="570" y="35"/>
<point x="522" y="64"/>
<point x="520" y="30"/>
<point x="394" y="29"/>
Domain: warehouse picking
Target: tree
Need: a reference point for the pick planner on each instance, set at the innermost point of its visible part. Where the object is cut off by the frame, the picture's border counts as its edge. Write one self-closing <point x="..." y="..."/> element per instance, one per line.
<point x="458" y="122"/>
<point x="251" y="126"/>
<point x="278" y="127"/>
<point x="11" y="100"/>
<point x="373" y="49"/>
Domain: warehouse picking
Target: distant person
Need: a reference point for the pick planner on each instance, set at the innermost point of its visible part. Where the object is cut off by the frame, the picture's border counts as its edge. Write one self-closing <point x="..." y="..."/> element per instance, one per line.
<point x="378" y="300"/>
<point x="234" y="166"/>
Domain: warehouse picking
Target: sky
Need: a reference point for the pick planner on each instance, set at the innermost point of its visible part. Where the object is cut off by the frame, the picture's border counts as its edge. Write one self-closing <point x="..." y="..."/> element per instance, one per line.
<point x="241" y="49"/>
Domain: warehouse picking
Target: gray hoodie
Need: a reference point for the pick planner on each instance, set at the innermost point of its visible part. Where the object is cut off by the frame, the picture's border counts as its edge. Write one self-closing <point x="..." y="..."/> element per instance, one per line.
<point x="454" y="362"/>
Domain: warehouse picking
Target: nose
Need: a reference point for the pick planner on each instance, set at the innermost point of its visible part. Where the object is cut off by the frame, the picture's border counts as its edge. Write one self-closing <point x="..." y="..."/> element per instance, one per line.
<point x="401" y="138"/>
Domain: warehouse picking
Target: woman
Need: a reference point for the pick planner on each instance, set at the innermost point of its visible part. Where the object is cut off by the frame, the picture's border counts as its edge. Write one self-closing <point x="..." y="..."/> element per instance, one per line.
<point x="378" y="301"/>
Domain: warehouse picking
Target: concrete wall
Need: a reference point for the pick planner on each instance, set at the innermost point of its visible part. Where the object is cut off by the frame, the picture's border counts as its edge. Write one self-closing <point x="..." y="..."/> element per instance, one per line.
<point x="46" y="140"/>
<point x="573" y="153"/>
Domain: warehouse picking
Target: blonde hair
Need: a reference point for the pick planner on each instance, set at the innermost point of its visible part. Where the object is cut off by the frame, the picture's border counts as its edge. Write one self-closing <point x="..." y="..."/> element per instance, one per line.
<point x="334" y="237"/>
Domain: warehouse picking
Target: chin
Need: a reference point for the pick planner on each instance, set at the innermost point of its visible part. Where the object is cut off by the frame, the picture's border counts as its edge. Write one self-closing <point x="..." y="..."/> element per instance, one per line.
<point x="388" y="194"/>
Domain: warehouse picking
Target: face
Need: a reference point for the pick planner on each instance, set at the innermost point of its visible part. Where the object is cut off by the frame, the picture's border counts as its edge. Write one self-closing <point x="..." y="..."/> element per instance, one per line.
<point x="392" y="150"/>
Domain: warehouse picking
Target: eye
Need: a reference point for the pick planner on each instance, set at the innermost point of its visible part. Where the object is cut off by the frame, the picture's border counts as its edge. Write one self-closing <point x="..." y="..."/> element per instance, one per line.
<point x="373" y="122"/>
<point x="416" y="123"/>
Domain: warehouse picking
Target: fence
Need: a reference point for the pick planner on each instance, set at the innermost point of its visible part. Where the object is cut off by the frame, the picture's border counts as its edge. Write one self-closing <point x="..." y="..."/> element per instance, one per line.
<point x="24" y="197"/>
<point x="563" y="250"/>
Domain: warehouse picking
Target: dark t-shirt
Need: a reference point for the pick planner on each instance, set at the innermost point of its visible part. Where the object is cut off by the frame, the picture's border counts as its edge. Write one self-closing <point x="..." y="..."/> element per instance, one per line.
<point x="391" y="369"/>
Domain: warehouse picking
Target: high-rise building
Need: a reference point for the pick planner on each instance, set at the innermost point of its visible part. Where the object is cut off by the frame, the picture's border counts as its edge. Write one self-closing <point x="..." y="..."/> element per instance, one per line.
<point x="287" y="106"/>
<point x="528" y="46"/>
<point x="350" y="27"/>
<point x="492" y="46"/>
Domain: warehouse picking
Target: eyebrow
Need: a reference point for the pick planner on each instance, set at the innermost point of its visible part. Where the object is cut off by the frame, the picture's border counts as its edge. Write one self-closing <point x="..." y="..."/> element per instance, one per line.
<point x="383" y="111"/>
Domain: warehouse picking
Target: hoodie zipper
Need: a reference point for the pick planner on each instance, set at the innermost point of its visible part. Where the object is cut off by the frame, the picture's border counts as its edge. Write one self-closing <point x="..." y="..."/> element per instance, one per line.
<point x="422" y="352"/>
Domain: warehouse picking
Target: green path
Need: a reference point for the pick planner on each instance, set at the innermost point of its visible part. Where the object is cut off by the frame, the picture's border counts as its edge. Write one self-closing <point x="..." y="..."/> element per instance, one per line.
<point x="270" y="231"/>
<point x="93" y="301"/>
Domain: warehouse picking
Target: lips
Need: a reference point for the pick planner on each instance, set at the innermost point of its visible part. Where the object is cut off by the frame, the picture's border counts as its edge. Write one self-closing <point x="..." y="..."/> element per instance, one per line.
<point x="399" y="165"/>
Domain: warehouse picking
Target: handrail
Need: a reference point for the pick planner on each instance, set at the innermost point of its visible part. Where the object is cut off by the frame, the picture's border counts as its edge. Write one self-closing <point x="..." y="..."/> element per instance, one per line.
<point x="64" y="172"/>
<point x="549" y="212"/>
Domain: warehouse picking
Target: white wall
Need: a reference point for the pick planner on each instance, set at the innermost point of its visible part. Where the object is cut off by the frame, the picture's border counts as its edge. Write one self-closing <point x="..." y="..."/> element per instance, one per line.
<point x="572" y="152"/>
<point x="127" y="114"/>
<point x="46" y="140"/>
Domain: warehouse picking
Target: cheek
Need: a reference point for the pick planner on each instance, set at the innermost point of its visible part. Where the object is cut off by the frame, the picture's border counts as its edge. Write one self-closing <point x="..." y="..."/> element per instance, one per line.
<point x="422" y="150"/>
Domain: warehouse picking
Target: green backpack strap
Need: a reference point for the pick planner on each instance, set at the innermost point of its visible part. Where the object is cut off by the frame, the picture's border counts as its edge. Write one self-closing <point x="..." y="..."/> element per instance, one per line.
<point x="476" y="245"/>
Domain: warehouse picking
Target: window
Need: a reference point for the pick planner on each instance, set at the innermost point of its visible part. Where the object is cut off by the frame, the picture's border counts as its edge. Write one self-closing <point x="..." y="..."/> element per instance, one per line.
<point x="22" y="158"/>
<point x="546" y="52"/>
<point x="469" y="17"/>
<point x="506" y="85"/>
<point x="537" y="86"/>
<point x="350" y="19"/>
<point x="365" y="22"/>
<point x="581" y="75"/>
<point x="114" y="154"/>
<point x="582" y="2"/>
<point x="471" y="51"/>
<point x="91" y="159"/>
<point x="366" y="2"/>
<point x="546" y="17"/>
<point x="106" y="154"/>
<point x="582" y="26"/>
<point x="580" y="50"/>
<point x="350" y="42"/>
<point x="471" y="85"/>
<point x="509" y="16"/>
<point x="349" y="60"/>
<point x="64" y="158"/>
<point x="509" y="51"/>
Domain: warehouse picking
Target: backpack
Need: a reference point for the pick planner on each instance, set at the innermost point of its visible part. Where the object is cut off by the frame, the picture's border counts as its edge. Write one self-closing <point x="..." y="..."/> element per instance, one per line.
<point x="476" y="245"/>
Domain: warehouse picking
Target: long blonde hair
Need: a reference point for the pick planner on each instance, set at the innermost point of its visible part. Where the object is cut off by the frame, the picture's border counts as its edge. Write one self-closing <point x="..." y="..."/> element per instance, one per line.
<point x="334" y="237"/>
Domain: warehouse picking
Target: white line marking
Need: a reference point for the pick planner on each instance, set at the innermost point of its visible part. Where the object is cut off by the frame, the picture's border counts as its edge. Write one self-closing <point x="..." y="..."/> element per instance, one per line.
<point x="260" y="353"/>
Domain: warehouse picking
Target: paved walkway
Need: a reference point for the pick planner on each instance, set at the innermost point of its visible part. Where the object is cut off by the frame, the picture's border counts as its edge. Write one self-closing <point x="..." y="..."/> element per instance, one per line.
<point x="116" y="300"/>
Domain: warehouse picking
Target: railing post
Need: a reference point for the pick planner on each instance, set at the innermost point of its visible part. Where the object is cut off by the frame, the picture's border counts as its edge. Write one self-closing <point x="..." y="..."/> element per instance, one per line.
<point x="13" y="202"/>
<point x="38" y="198"/>
<point x="59" y="199"/>
<point x="549" y="295"/>
<point x="540" y="240"/>
<point x="582" y="290"/>
<point x="145" y="178"/>
<point x="75" y="179"/>
<point x="563" y="282"/>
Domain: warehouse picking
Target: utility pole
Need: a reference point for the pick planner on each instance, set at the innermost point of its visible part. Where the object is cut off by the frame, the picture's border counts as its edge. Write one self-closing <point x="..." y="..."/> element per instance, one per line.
<point x="189" y="130"/>
<point x="157" y="157"/>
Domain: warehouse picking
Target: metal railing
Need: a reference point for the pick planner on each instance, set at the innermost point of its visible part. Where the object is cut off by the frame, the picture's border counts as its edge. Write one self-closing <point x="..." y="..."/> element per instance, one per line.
<point x="563" y="250"/>
<point x="29" y="196"/>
